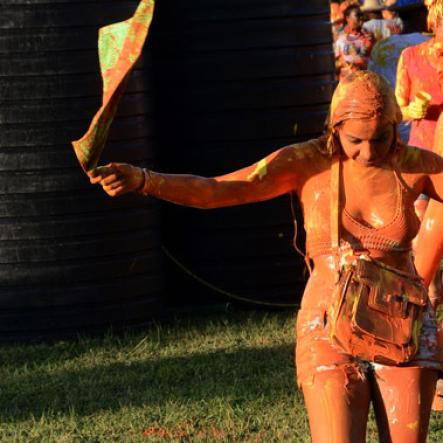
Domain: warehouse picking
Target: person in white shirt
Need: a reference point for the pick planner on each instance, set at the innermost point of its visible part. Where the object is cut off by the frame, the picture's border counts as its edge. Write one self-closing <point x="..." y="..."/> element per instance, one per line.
<point x="375" y="24"/>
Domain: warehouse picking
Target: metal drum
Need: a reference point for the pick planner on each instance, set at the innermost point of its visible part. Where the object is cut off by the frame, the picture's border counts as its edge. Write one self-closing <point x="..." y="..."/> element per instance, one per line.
<point x="71" y="258"/>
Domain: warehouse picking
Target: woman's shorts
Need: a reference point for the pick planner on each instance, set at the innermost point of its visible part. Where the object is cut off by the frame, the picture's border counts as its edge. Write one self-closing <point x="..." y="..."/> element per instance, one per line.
<point x="315" y="353"/>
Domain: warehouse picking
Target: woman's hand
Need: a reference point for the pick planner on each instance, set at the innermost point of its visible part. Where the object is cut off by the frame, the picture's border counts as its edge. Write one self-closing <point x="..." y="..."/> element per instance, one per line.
<point x="117" y="178"/>
<point x="415" y="110"/>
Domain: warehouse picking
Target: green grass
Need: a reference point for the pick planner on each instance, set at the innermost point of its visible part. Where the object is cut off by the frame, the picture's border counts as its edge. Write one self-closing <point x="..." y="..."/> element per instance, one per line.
<point x="223" y="377"/>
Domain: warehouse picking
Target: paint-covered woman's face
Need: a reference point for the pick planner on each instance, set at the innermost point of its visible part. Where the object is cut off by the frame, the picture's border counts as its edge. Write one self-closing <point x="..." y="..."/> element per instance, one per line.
<point x="366" y="141"/>
<point x="354" y="19"/>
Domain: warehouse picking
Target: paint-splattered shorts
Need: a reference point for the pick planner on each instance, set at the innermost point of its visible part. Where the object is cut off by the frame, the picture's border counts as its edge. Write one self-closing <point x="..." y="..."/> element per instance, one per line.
<point x="314" y="352"/>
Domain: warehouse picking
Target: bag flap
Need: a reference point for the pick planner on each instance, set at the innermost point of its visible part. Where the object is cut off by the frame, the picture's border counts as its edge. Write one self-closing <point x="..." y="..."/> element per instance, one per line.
<point x="390" y="282"/>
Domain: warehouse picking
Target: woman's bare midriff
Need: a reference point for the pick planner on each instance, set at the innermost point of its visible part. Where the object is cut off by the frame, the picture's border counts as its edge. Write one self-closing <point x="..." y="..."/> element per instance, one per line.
<point x="319" y="288"/>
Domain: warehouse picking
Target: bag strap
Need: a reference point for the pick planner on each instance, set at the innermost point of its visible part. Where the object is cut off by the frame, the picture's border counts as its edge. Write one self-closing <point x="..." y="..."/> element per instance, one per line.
<point x="335" y="209"/>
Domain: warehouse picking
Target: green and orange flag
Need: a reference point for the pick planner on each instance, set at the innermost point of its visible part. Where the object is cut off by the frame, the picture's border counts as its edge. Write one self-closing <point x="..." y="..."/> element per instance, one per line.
<point x="119" y="47"/>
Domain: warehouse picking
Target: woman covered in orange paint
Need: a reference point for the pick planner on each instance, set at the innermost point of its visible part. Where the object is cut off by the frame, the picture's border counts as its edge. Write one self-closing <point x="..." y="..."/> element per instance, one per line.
<point x="377" y="182"/>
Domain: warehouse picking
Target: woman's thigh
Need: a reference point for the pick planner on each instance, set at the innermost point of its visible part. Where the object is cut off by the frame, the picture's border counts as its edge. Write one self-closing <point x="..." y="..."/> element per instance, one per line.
<point x="334" y="384"/>
<point x="402" y="400"/>
<point x="337" y="401"/>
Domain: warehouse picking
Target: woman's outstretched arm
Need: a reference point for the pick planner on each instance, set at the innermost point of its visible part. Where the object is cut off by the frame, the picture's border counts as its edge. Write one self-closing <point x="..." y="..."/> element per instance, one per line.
<point x="272" y="176"/>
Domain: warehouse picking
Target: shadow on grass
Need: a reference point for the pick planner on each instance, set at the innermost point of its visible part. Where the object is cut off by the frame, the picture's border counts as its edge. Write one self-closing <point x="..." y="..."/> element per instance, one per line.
<point x="237" y="375"/>
<point x="170" y="328"/>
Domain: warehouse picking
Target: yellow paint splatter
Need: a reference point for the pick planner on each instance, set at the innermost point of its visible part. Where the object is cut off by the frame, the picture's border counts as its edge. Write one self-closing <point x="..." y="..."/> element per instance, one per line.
<point x="260" y="170"/>
<point x="413" y="425"/>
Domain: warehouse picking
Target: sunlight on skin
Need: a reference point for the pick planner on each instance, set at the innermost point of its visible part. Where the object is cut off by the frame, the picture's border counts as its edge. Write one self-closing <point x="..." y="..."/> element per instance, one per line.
<point x="376" y="221"/>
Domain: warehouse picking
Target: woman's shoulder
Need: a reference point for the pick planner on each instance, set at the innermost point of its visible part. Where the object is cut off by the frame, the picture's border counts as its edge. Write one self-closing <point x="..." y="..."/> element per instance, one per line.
<point x="415" y="50"/>
<point x="313" y="149"/>
<point x="419" y="161"/>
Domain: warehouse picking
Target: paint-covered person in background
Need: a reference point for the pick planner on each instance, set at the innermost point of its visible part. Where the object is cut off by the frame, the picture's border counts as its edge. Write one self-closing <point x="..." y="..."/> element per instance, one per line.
<point x="374" y="22"/>
<point x="420" y="70"/>
<point x="429" y="253"/>
<point x="379" y="181"/>
<point x="386" y="53"/>
<point x="419" y="92"/>
<point x="353" y="47"/>
<point x="336" y="18"/>
<point x="337" y="8"/>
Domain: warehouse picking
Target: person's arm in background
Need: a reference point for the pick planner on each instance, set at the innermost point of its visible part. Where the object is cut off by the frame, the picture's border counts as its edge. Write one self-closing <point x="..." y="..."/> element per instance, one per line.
<point x="429" y="241"/>
<point x="274" y="175"/>
<point x="410" y="109"/>
<point x="429" y="249"/>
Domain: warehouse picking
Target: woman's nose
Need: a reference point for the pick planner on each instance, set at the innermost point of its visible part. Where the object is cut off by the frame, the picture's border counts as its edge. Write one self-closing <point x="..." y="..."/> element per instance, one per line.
<point x="368" y="152"/>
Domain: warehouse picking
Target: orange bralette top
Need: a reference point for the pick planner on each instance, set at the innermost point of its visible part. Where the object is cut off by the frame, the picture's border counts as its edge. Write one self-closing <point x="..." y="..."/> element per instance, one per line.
<point x="394" y="236"/>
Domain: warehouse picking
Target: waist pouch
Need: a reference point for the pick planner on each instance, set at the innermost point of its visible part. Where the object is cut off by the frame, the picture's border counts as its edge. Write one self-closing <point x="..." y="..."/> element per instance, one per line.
<point x="376" y="312"/>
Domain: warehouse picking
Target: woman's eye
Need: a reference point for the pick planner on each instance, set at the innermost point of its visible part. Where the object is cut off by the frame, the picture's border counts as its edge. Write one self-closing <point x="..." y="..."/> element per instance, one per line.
<point x="355" y="141"/>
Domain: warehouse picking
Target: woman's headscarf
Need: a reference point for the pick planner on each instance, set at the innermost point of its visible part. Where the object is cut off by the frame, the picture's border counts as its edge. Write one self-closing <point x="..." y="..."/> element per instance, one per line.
<point x="362" y="94"/>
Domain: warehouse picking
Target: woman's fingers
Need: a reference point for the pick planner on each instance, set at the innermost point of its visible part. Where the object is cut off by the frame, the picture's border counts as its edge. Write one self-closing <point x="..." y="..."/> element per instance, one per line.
<point x="116" y="178"/>
<point x="114" y="185"/>
<point x="95" y="180"/>
<point x="418" y="110"/>
<point x="99" y="173"/>
<point x="115" y="192"/>
<point x="110" y="179"/>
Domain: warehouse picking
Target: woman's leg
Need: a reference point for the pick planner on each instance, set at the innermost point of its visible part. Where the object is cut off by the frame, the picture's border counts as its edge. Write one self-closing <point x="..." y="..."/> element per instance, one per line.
<point x="402" y="402"/>
<point x="337" y="401"/>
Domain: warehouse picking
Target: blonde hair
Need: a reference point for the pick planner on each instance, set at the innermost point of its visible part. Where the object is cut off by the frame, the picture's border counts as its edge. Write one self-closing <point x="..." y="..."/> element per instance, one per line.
<point x="435" y="13"/>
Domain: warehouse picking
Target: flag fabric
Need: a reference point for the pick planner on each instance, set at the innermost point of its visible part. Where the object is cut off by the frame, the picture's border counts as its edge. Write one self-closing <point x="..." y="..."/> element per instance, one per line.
<point x="119" y="46"/>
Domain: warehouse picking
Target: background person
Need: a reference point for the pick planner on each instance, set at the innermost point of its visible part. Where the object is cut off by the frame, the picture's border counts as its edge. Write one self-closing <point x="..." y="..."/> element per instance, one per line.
<point x="420" y="69"/>
<point x="429" y="253"/>
<point x="353" y="46"/>
<point x="374" y="23"/>
<point x="386" y="53"/>
<point x="380" y="180"/>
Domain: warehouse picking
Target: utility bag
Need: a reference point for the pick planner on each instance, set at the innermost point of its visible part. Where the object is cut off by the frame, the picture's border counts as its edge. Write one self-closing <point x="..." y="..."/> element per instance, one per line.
<point x="376" y="313"/>
<point x="376" y="310"/>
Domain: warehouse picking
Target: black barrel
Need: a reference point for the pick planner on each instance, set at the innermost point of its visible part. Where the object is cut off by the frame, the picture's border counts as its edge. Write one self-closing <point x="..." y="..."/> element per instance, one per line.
<point x="236" y="79"/>
<point x="71" y="258"/>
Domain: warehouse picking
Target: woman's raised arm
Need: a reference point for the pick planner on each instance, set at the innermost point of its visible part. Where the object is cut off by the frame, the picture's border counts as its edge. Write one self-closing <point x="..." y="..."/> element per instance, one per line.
<point x="270" y="177"/>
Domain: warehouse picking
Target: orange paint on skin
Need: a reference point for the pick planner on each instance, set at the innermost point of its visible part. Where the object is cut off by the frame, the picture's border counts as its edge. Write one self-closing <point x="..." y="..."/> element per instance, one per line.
<point x="413" y="425"/>
<point x="259" y="172"/>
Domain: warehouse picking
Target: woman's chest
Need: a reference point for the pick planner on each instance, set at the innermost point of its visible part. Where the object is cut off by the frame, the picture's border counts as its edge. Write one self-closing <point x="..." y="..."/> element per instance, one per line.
<point x="373" y="200"/>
